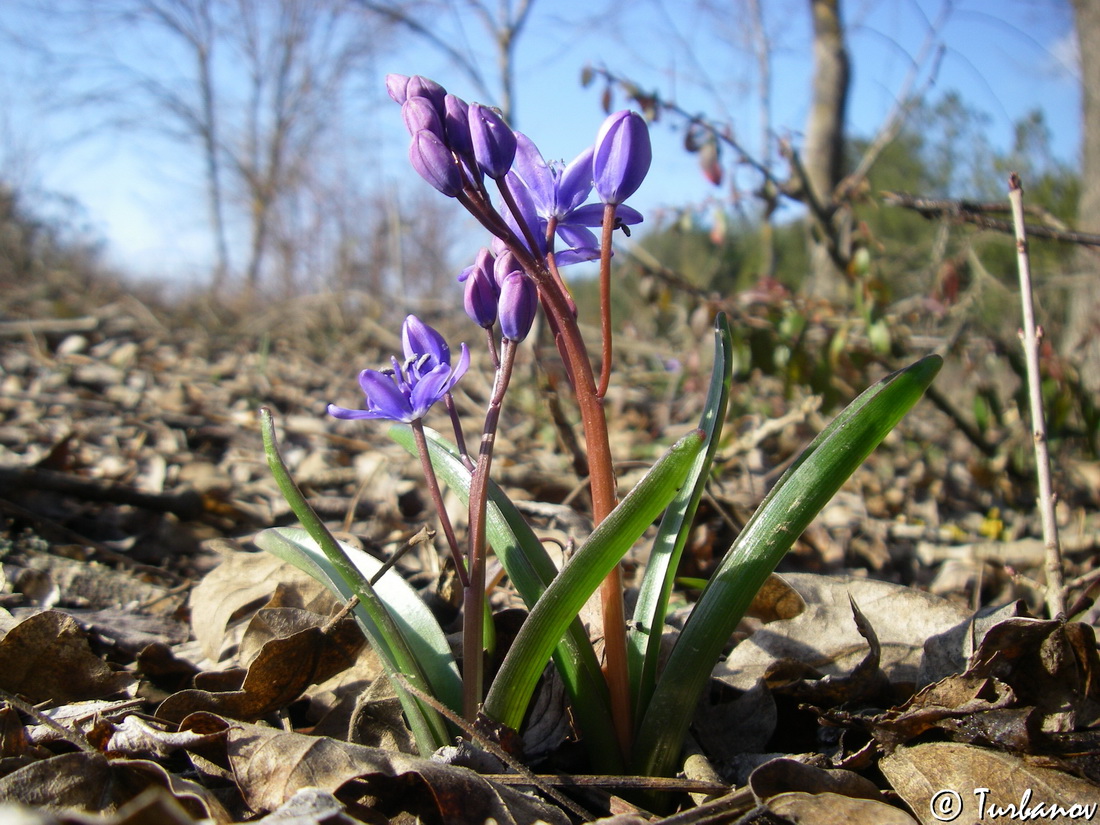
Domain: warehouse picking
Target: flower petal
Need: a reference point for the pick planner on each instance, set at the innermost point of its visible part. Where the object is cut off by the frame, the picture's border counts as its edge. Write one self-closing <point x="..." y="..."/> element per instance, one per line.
<point x="383" y="396"/>
<point x="419" y="339"/>
<point x="575" y="183"/>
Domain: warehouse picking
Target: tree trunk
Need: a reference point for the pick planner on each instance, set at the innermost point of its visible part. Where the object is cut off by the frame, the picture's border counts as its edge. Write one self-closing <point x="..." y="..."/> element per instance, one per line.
<point x="1082" y="339"/>
<point x="823" y="153"/>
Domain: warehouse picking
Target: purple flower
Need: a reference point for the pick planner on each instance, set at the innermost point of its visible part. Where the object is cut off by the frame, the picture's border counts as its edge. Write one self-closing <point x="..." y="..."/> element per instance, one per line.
<point x="519" y="300"/>
<point x="622" y="156"/>
<point x="559" y="191"/>
<point x="494" y="143"/>
<point x="409" y="390"/>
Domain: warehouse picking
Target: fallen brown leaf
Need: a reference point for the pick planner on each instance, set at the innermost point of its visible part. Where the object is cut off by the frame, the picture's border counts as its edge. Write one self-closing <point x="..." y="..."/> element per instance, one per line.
<point x="271" y="766"/>
<point x="46" y="658"/>
<point x="942" y="781"/>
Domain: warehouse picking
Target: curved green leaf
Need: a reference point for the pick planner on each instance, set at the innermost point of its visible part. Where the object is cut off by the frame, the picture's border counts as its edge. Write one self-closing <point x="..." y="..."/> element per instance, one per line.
<point x="794" y="501"/>
<point x="428" y="727"/>
<point x="418" y="625"/>
<point x="531" y="571"/>
<point x="644" y="639"/>
<point x="515" y="682"/>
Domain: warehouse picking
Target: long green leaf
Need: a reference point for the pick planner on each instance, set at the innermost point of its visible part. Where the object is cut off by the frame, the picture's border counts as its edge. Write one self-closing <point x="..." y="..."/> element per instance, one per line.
<point x="428" y="727"/>
<point x="531" y="571"/>
<point x="644" y="639"/>
<point x="418" y="625"/>
<point x="794" y="501"/>
<point x="515" y="682"/>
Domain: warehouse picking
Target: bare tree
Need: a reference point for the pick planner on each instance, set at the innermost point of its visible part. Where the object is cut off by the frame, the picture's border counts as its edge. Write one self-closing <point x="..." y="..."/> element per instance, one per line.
<point x="503" y="26"/>
<point x="1083" y="328"/>
<point x="262" y="95"/>
<point x="823" y="152"/>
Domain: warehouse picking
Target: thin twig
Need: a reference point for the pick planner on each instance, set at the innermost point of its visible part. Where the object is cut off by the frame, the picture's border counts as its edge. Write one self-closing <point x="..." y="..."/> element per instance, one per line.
<point x="973" y="212"/>
<point x="1056" y="597"/>
<point x="72" y="737"/>
<point x="492" y="747"/>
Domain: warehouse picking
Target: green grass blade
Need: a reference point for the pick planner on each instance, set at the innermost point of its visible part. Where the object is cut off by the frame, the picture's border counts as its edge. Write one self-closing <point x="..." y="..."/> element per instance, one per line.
<point x="644" y="638"/>
<point x="515" y="682"/>
<point x="531" y="571"/>
<point x="428" y="727"/>
<point x="794" y="501"/>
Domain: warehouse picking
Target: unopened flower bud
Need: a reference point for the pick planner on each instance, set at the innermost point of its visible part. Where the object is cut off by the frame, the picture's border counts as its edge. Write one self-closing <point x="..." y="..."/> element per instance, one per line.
<point x="494" y="143"/>
<point x="482" y="293"/>
<point x="505" y="262"/>
<point x="396" y="85"/>
<point x="423" y="87"/>
<point x="519" y="300"/>
<point x="420" y="115"/>
<point x="622" y="156"/>
<point x="434" y="162"/>
<point x="456" y="126"/>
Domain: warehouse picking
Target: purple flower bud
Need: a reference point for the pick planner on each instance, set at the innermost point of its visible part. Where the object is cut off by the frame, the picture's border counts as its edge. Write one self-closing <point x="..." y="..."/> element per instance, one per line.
<point x="396" y="85"/>
<point x="420" y="115"/>
<point x="423" y="87"/>
<point x="482" y="292"/>
<point x="494" y="143"/>
<point x="505" y="262"/>
<point x="434" y="162"/>
<point x="456" y="125"/>
<point x="622" y="156"/>
<point x="519" y="300"/>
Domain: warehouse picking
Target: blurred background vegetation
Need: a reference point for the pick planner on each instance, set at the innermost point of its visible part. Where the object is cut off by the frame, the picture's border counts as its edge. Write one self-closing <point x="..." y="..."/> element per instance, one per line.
<point x="829" y="278"/>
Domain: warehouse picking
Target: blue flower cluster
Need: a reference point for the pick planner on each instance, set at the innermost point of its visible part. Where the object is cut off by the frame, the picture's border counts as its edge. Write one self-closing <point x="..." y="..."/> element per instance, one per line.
<point x="455" y="147"/>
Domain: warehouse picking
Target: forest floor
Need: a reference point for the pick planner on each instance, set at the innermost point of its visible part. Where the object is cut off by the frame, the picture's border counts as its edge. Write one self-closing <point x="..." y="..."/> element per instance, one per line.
<point x="138" y="681"/>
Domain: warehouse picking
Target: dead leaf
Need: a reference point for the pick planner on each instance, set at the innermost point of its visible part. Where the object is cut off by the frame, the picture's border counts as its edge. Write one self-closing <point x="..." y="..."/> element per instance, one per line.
<point x="310" y="806"/>
<point x="46" y="658"/>
<point x="241" y="580"/>
<point x="92" y="783"/>
<point x="942" y="781"/>
<point x="780" y="776"/>
<point x="829" y="808"/>
<point x="271" y="766"/>
<point x="776" y="600"/>
<point x="824" y="636"/>
<point x="278" y="675"/>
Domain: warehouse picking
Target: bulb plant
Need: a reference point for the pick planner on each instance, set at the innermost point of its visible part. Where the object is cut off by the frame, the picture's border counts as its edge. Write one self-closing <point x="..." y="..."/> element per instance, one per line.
<point x="542" y="216"/>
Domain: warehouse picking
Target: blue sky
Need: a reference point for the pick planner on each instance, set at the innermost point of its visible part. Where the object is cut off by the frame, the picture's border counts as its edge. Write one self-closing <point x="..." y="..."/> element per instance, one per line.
<point x="1006" y="57"/>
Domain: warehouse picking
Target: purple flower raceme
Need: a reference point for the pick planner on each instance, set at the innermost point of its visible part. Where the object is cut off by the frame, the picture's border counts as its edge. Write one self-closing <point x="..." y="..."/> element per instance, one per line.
<point x="622" y="156"/>
<point x="409" y="390"/>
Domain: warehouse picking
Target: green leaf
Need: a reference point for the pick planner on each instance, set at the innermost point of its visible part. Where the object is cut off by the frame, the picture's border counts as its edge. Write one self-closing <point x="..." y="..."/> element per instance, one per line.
<point x="531" y="570"/>
<point x="427" y="725"/>
<point x="515" y="682"/>
<point x="424" y="636"/>
<point x="644" y="639"/>
<point x="794" y="501"/>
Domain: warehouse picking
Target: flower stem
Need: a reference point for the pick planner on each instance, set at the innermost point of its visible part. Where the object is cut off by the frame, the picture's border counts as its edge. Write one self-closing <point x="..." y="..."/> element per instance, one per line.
<point x="437" y="499"/>
<point x="601" y="479"/>
<point x="456" y="424"/>
<point x="473" y="671"/>
<point x="605" y="298"/>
